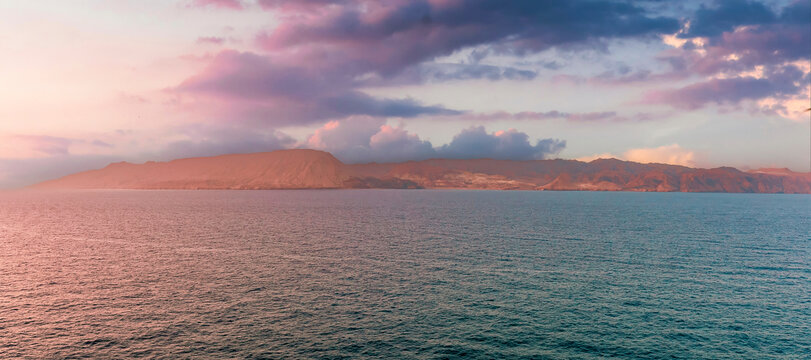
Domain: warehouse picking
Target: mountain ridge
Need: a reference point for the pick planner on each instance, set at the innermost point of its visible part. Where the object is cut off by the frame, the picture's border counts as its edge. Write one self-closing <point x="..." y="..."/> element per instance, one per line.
<point x="314" y="169"/>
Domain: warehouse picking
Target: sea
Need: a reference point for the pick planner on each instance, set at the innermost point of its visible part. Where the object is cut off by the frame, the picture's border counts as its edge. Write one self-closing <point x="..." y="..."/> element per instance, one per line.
<point x="404" y="274"/>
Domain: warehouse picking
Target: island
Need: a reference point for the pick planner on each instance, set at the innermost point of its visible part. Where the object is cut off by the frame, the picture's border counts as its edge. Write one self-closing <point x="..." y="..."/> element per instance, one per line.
<point x="313" y="169"/>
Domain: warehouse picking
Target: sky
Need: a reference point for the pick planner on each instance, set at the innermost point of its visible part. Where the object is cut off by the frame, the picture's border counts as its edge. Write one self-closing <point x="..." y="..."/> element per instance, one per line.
<point x="695" y="83"/>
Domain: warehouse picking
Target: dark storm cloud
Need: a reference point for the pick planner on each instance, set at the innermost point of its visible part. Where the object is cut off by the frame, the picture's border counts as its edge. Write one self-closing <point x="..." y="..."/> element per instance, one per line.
<point x="726" y="15"/>
<point x="388" y="38"/>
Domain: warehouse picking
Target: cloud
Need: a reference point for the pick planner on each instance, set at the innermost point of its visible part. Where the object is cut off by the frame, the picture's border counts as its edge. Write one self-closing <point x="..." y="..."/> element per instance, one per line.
<point x="593" y="116"/>
<point x="511" y="144"/>
<point x="27" y="159"/>
<point x="349" y="138"/>
<point x="367" y="139"/>
<point x="443" y="72"/>
<point x="300" y="5"/>
<point x="214" y="40"/>
<point x="32" y="146"/>
<point x="202" y="141"/>
<point x="726" y="16"/>
<point x="668" y="154"/>
<point x="352" y="103"/>
<point x="719" y="91"/>
<point x="597" y="116"/>
<point x="317" y="61"/>
<point x="251" y="86"/>
<point x="17" y="146"/>
<point x="225" y="4"/>
<point x="793" y="107"/>
<point x="748" y="47"/>
<point x="782" y="83"/>
<point x="390" y="36"/>
<point x="745" y="51"/>
<point x="400" y="145"/>
<point x="249" y="76"/>
<point x="16" y="173"/>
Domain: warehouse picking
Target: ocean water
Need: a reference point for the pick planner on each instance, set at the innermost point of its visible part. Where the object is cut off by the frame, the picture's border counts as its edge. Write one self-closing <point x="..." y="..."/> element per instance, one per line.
<point x="413" y="274"/>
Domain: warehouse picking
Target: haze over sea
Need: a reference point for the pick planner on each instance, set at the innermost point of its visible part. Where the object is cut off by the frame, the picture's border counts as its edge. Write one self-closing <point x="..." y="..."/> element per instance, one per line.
<point x="419" y="274"/>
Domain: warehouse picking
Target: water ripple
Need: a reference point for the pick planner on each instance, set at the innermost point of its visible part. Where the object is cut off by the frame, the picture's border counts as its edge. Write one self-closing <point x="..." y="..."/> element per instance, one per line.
<point x="404" y="274"/>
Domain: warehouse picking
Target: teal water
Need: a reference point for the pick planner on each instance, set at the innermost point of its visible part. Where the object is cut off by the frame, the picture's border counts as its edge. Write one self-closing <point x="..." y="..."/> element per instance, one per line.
<point x="414" y="274"/>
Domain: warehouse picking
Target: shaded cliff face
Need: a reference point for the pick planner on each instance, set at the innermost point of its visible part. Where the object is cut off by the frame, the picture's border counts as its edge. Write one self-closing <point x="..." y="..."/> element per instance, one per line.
<point x="310" y="169"/>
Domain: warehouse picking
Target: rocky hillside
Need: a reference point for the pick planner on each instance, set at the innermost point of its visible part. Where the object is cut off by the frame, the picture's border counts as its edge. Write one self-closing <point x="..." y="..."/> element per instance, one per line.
<point x="289" y="169"/>
<point x="311" y="169"/>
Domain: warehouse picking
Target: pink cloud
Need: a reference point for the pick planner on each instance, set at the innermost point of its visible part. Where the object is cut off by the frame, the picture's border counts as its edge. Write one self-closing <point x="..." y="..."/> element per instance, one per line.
<point x="210" y="40"/>
<point x="672" y="154"/>
<point x="226" y="4"/>
<point x="42" y="146"/>
<point x="367" y="139"/>
<point x="668" y="154"/>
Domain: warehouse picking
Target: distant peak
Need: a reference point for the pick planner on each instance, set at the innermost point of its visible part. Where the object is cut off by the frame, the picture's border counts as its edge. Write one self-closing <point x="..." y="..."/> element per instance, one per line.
<point x="774" y="171"/>
<point x="606" y="160"/>
<point x="118" y="164"/>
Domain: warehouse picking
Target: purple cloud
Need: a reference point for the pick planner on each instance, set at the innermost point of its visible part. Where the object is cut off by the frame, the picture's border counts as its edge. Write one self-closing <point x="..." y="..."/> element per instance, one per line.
<point x="388" y="37"/>
<point x="746" y="48"/>
<point x="399" y="145"/>
<point x="323" y="52"/>
<point x="298" y="5"/>
<point x="256" y="86"/>
<point x="436" y="72"/>
<point x="731" y="90"/>
<point x="475" y="142"/>
<point x="748" y="52"/>
<point x="366" y="139"/>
